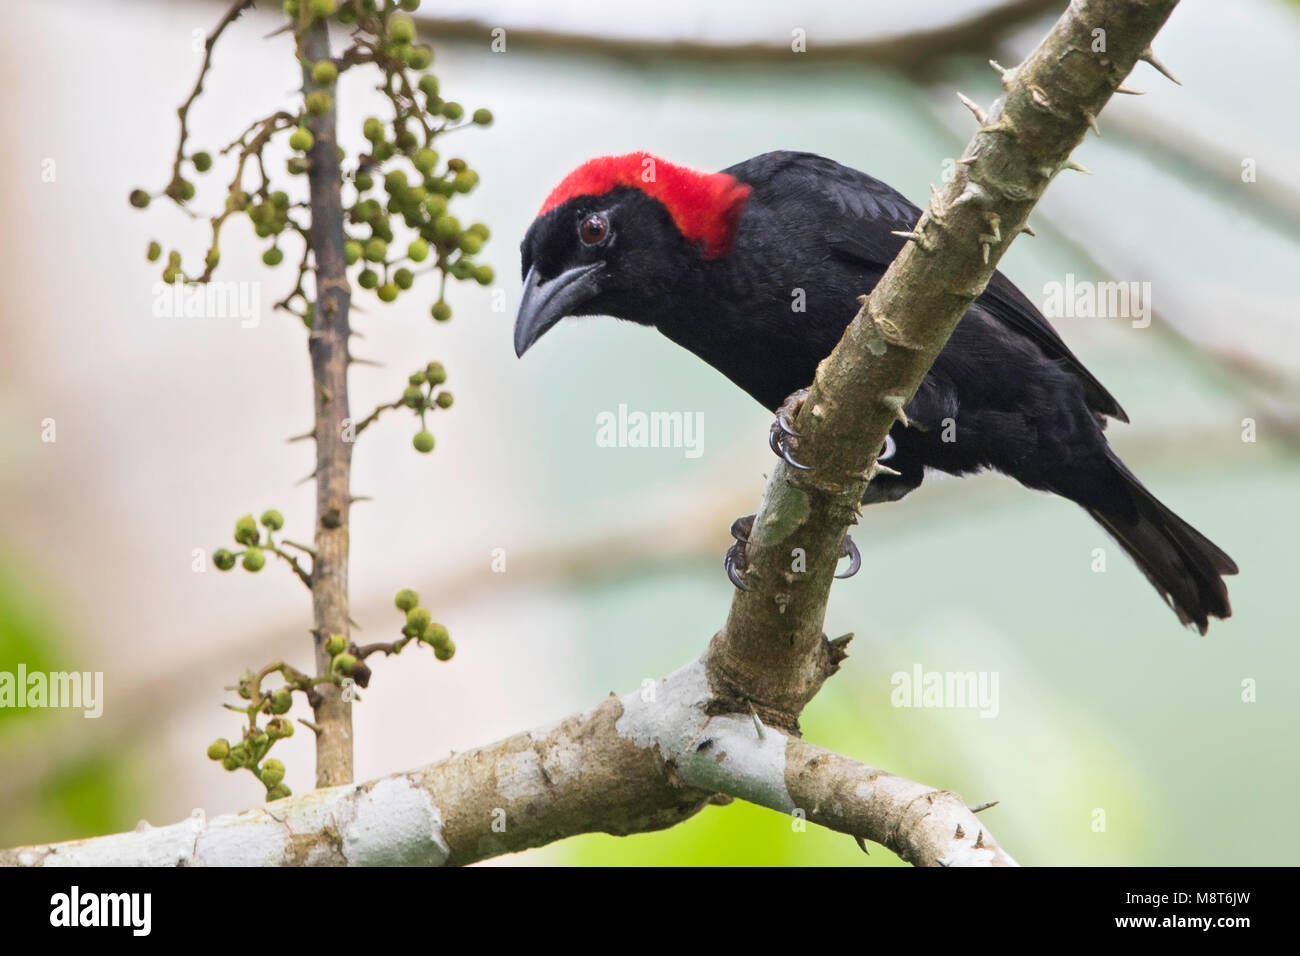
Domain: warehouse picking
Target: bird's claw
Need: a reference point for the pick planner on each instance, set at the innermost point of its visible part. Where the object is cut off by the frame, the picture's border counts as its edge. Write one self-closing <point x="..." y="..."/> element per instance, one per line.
<point x="782" y="430"/>
<point x="734" y="560"/>
<point x="850" y="550"/>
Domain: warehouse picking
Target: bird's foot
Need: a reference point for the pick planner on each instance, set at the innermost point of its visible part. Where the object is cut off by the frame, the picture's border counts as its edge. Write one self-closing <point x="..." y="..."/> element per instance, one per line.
<point x="735" y="561"/>
<point x="783" y="431"/>
<point x="850" y="550"/>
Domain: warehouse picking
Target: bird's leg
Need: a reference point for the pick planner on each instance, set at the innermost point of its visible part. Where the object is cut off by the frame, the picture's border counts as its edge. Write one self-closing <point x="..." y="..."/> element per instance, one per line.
<point x="735" y="561"/>
<point x="783" y="430"/>
<point x="850" y="550"/>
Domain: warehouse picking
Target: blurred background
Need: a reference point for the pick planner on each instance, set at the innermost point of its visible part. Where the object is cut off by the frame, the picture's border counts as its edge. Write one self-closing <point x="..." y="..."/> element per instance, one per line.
<point x="169" y="429"/>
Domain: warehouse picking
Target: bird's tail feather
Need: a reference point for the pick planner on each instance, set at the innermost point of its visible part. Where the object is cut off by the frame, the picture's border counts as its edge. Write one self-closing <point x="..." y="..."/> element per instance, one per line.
<point x="1183" y="565"/>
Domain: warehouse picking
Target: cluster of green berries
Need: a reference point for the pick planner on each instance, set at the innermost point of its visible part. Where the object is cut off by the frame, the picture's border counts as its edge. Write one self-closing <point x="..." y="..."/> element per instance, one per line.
<point x="420" y="625"/>
<point x="342" y="661"/>
<point x="383" y="193"/>
<point x="247" y="534"/>
<point x="250" y="752"/>
<point x="422" y="394"/>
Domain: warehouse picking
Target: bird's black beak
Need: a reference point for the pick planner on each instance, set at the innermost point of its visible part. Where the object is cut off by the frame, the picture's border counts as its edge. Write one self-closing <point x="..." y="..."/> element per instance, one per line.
<point x="545" y="303"/>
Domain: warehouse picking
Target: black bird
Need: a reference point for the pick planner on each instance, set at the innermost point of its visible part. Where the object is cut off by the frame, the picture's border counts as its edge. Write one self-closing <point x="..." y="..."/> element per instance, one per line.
<point x="757" y="270"/>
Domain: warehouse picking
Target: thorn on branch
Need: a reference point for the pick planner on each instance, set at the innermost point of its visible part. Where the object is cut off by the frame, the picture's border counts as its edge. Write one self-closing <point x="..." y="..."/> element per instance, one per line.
<point x="758" y="724"/>
<point x="1150" y="57"/>
<point x="974" y="107"/>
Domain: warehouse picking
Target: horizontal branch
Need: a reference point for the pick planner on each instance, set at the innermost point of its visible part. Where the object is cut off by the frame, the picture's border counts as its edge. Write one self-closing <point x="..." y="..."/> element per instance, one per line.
<point x="629" y="765"/>
<point x="910" y="51"/>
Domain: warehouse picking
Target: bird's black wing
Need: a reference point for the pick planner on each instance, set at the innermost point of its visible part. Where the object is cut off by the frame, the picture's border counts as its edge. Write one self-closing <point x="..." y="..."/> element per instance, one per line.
<point x="860" y="214"/>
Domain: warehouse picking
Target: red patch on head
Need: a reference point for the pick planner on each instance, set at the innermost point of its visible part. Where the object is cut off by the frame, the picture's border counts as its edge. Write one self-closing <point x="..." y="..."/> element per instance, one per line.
<point x="704" y="206"/>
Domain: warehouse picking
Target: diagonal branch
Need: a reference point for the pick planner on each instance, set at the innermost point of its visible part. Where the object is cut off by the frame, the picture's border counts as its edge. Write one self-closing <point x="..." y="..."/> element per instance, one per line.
<point x="772" y="650"/>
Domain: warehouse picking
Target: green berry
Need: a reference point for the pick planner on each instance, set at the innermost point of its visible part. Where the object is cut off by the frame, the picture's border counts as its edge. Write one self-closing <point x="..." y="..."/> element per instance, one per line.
<point x="376" y="249"/>
<point x="471" y="243"/>
<point x="406" y="599"/>
<point x="444" y="400"/>
<point x="323" y="8"/>
<point x="444" y="652"/>
<point x="435" y="634"/>
<point x="480" y="230"/>
<point x="246" y="530"/>
<point x="230" y="763"/>
<point x="254" y="559"/>
<point x="423" y="442"/>
<point x="401" y="29"/>
<point x="372" y="129"/>
<point x="301" y="139"/>
<point x="440" y="311"/>
<point x="413" y="397"/>
<point x="464" y="182"/>
<point x="212" y="258"/>
<point x="410" y="6"/>
<point x="291" y="9"/>
<point x="187" y="190"/>
<point x="436" y="373"/>
<point x="429" y="86"/>
<point x="223" y="559"/>
<point x="318" y="103"/>
<point x="418" y="250"/>
<point x="452" y="110"/>
<point x="324" y="73"/>
<point x="155" y="251"/>
<point x="279" y="791"/>
<point x="395" y="181"/>
<point x="417" y="619"/>
<point x="446" y="227"/>
<point x="351" y="251"/>
<point x="277" y="728"/>
<point x="387" y="292"/>
<point x="202" y="161"/>
<point x="139" y="198"/>
<point x="425" y="159"/>
<point x="483" y="117"/>
<point x="483" y="275"/>
<point x="368" y="279"/>
<point x="404" y="278"/>
<point x="273" y="256"/>
<point x="343" y="663"/>
<point x="417" y="378"/>
<point x="272" y="519"/>
<point x="419" y="58"/>
<point x="272" y="772"/>
<point x="281" y="701"/>
<point x="219" y="749"/>
<point x="335" y="644"/>
<point x="363" y="181"/>
<point x="457" y="165"/>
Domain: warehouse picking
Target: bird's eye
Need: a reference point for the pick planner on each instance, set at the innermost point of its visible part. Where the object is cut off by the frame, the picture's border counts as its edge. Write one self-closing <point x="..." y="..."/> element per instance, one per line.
<point x="593" y="229"/>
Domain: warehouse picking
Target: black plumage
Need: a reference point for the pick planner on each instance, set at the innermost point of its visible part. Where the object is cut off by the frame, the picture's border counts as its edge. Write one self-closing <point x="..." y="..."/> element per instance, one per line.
<point x="1006" y="392"/>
